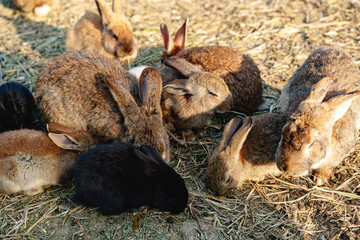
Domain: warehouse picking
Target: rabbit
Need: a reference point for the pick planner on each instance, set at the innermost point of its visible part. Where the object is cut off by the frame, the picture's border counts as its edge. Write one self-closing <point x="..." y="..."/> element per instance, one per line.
<point x="39" y="7"/>
<point x="91" y="92"/>
<point x="238" y="70"/>
<point x="121" y="177"/>
<point x="31" y="159"/>
<point x="246" y="151"/>
<point x="107" y="32"/>
<point x="322" y="104"/>
<point x="189" y="104"/>
<point x="17" y="107"/>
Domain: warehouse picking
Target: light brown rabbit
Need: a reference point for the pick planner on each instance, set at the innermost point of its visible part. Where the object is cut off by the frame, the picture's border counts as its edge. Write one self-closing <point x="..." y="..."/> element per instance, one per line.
<point x="321" y="100"/>
<point x="90" y="92"/>
<point x="31" y="159"/>
<point x="238" y="70"/>
<point x="39" y="7"/>
<point x="246" y="151"/>
<point x="107" y="32"/>
<point x="190" y="103"/>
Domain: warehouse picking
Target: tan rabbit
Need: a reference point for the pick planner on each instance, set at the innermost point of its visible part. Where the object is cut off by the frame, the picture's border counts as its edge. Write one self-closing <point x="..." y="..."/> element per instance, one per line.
<point x="246" y="151"/>
<point x="321" y="100"/>
<point x="189" y="104"/>
<point x="39" y="7"/>
<point x="90" y="92"/>
<point x="107" y="32"/>
<point x="238" y="70"/>
<point x="31" y="159"/>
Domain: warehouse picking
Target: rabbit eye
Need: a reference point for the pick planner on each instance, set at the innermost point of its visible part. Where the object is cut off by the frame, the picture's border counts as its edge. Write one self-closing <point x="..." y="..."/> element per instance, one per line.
<point x="212" y="93"/>
<point x="114" y="36"/>
<point x="313" y="144"/>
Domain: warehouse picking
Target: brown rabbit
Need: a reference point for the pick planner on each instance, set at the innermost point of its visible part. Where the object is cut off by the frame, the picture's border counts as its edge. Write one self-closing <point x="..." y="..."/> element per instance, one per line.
<point x="107" y="32"/>
<point x="39" y="7"/>
<point x="90" y="92"/>
<point x="246" y="151"/>
<point x="238" y="70"/>
<point x="321" y="100"/>
<point x="189" y="104"/>
<point x="31" y="159"/>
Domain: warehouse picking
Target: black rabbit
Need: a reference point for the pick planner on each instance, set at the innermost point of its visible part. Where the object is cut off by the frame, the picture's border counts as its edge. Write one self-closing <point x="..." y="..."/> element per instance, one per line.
<point x="120" y="177"/>
<point x="17" y="107"/>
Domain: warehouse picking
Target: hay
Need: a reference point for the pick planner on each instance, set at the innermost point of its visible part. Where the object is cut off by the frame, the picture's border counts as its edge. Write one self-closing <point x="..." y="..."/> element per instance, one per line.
<point x="279" y="35"/>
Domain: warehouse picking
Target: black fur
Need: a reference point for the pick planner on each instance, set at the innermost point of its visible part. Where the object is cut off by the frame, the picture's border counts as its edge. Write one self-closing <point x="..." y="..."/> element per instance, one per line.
<point x="17" y="107"/>
<point x="120" y="177"/>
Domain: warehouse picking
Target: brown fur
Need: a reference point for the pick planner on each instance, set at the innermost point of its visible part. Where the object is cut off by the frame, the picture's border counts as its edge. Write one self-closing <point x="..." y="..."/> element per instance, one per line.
<point x="29" y="160"/>
<point x="238" y="71"/>
<point x="109" y="33"/>
<point x="29" y="5"/>
<point x="245" y="152"/>
<point x="72" y="91"/>
<point x="322" y="104"/>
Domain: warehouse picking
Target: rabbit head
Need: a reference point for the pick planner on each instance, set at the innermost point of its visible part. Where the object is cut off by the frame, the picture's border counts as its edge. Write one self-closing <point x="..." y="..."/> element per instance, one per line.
<point x="117" y="36"/>
<point x="226" y="175"/>
<point x="197" y="94"/>
<point x="143" y="119"/>
<point x="69" y="139"/>
<point x="173" y="47"/>
<point x="170" y="193"/>
<point x="306" y="139"/>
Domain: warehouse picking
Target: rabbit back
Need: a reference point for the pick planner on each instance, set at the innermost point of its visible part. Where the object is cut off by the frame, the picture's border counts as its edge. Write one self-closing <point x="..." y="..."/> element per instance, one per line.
<point x="17" y="107"/>
<point x="68" y="92"/>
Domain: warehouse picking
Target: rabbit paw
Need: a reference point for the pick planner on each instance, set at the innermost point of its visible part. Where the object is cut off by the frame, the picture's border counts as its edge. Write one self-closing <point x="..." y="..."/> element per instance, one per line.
<point x="33" y="191"/>
<point x="43" y="10"/>
<point x="189" y="135"/>
<point x="322" y="176"/>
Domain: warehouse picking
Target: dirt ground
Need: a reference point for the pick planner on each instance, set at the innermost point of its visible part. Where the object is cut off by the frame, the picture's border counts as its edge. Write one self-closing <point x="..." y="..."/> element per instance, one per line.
<point x="279" y="35"/>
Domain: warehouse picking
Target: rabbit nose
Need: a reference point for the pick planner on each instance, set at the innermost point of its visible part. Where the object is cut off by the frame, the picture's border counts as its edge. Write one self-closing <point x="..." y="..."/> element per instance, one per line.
<point x="283" y="167"/>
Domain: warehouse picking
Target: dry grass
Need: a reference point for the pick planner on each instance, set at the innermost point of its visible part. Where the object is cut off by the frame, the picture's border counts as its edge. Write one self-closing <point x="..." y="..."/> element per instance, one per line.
<point x="278" y="35"/>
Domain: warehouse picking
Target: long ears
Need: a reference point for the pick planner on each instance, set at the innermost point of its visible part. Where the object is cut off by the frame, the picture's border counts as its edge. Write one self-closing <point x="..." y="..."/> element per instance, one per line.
<point x="178" y="87"/>
<point x="125" y="101"/>
<point x="320" y="89"/>
<point x="172" y="47"/>
<point x="150" y="87"/>
<point x="105" y="11"/>
<point x="149" y="157"/>
<point x="337" y="106"/>
<point x="183" y="66"/>
<point x="116" y="6"/>
<point x="235" y="133"/>
<point x="63" y="137"/>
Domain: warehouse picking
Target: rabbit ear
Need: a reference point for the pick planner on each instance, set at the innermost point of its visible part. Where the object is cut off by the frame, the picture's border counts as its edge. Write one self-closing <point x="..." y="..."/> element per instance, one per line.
<point x="168" y="42"/>
<point x="116" y="6"/>
<point x="338" y="106"/>
<point x="180" y="37"/>
<point x="105" y="11"/>
<point x="63" y="141"/>
<point x="150" y="87"/>
<point x="177" y="87"/>
<point x="58" y="128"/>
<point x="320" y="89"/>
<point x="151" y="167"/>
<point x="235" y="133"/>
<point x="183" y="66"/>
<point x="125" y="101"/>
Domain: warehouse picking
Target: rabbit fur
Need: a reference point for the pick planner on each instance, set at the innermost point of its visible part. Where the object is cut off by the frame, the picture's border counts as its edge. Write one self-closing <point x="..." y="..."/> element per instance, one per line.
<point x="238" y="70"/>
<point x="39" y="7"/>
<point x="31" y="159"/>
<point x="17" y="107"/>
<point x="90" y="92"/>
<point x="246" y="151"/>
<point x="120" y="177"/>
<point x="321" y="100"/>
<point x="107" y="32"/>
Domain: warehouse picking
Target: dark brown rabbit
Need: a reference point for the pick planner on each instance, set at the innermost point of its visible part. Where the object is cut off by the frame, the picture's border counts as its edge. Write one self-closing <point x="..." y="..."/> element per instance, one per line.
<point x="246" y="151"/>
<point x="238" y="70"/>
<point x="107" y="32"/>
<point x="90" y="92"/>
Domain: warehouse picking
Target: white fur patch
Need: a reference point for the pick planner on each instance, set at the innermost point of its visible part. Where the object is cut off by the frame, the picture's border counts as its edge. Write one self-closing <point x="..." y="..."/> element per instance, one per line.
<point x="42" y="10"/>
<point x="137" y="71"/>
